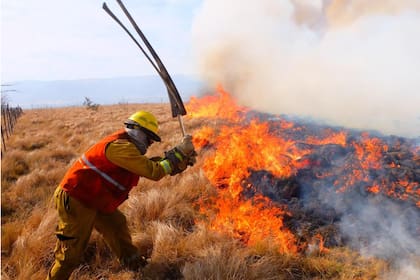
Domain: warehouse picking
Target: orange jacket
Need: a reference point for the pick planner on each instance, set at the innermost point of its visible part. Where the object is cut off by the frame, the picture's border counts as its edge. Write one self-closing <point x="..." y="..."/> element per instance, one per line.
<point x="97" y="182"/>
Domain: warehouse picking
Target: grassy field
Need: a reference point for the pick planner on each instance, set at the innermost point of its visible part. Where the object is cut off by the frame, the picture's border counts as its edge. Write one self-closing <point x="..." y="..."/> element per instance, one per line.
<point x="164" y="218"/>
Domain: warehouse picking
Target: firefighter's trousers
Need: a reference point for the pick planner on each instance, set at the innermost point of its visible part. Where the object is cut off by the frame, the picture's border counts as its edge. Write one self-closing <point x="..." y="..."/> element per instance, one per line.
<point x="75" y="224"/>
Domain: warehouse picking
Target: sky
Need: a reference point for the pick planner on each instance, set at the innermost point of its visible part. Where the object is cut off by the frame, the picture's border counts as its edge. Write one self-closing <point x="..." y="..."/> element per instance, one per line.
<point x="65" y="40"/>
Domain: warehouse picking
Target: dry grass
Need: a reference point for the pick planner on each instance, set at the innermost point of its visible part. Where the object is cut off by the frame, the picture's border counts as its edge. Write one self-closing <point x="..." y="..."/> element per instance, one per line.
<point x="161" y="214"/>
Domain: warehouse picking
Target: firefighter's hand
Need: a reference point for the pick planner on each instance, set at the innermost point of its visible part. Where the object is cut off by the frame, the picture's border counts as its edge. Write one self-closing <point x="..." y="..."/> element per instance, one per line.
<point x="192" y="158"/>
<point x="186" y="147"/>
<point x="177" y="160"/>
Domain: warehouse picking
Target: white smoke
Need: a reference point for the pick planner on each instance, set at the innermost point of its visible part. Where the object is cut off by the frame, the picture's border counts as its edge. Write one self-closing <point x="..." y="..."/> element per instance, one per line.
<point x="385" y="229"/>
<point x="354" y="63"/>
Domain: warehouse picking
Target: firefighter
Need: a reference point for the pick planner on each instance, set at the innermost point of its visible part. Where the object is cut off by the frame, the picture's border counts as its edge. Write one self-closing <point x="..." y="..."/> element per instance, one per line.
<point x="99" y="181"/>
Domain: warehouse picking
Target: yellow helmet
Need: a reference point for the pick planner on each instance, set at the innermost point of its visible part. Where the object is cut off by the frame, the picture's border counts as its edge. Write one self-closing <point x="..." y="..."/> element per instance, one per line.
<point x="146" y="122"/>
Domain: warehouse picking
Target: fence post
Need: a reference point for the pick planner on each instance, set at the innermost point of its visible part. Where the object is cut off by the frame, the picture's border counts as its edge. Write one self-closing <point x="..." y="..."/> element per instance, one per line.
<point x="3" y="143"/>
<point x="9" y="117"/>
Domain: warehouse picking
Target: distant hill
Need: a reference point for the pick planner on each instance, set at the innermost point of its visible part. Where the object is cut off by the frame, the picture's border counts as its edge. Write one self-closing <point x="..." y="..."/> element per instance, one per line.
<point x="139" y="89"/>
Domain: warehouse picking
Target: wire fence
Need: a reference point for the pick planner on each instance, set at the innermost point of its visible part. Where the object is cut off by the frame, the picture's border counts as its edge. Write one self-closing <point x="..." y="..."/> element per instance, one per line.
<point x="9" y="116"/>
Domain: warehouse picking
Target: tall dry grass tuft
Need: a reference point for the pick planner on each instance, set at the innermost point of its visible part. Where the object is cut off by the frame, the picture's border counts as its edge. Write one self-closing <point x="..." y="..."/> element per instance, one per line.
<point x="221" y="261"/>
<point x="163" y="216"/>
<point x="13" y="166"/>
<point x="172" y="200"/>
<point x="31" y="250"/>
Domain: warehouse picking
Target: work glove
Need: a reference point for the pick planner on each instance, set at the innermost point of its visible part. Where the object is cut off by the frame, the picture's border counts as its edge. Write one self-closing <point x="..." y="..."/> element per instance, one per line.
<point x="186" y="147"/>
<point x="180" y="157"/>
<point x="177" y="160"/>
<point x="192" y="158"/>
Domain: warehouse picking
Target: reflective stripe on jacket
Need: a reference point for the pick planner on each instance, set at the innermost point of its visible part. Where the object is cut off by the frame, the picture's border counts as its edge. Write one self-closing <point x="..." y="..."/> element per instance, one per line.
<point x="96" y="181"/>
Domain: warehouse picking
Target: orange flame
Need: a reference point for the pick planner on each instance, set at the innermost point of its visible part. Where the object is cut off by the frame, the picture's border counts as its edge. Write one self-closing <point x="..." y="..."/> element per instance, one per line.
<point x="238" y="150"/>
<point x="238" y="146"/>
<point x="374" y="189"/>
<point x="370" y="151"/>
<point x="318" y="241"/>
<point x="217" y="106"/>
<point x="333" y="138"/>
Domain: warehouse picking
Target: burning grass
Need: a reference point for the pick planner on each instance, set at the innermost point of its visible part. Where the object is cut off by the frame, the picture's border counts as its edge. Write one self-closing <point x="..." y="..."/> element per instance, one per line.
<point x="253" y="207"/>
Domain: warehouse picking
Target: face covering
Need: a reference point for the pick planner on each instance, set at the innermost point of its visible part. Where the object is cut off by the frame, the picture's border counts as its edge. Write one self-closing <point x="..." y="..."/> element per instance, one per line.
<point x="139" y="138"/>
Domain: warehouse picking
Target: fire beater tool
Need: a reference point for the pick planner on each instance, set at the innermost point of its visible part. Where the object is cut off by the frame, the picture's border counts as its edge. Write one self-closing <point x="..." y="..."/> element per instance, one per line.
<point x="177" y="106"/>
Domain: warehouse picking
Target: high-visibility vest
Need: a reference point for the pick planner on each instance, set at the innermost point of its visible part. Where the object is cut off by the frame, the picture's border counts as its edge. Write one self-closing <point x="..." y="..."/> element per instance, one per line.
<point x="97" y="182"/>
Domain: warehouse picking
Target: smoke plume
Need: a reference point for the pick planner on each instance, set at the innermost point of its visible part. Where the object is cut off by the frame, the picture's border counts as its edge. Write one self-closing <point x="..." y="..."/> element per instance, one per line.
<point x="383" y="228"/>
<point x="353" y="63"/>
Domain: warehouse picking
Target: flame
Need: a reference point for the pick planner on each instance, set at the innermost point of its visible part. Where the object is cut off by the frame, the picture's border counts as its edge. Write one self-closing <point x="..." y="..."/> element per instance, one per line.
<point x="239" y="149"/>
<point x="374" y="189"/>
<point x="370" y="151"/>
<point x="319" y="239"/>
<point x="216" y="106"/>
<point x="238" y="145"/>
<point x="252" y="221"/>
<point x="333" y="138"/>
